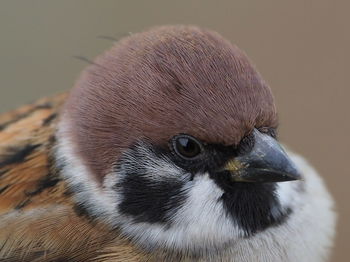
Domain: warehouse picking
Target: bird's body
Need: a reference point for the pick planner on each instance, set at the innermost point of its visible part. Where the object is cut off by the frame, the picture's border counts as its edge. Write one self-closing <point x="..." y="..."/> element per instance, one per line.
<point x="88" y="176"/>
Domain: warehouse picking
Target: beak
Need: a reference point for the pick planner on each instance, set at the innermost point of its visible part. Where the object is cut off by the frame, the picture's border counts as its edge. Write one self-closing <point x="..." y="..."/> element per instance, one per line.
<point x="266" y="162"/>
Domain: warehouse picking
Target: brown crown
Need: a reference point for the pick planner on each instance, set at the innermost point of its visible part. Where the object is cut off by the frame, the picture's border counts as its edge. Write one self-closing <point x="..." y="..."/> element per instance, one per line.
<point x="166" y="81"/>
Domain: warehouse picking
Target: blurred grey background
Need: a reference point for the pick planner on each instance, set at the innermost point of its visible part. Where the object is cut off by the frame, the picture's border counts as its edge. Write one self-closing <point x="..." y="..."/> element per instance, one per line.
<point x="301" y="48"/>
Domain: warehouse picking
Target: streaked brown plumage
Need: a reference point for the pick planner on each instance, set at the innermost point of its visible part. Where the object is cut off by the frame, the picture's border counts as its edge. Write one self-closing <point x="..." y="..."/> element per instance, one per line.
<point x="53" y="229"/>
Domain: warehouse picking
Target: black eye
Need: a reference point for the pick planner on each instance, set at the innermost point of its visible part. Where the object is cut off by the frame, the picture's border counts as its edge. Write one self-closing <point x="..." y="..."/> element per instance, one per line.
<point x="186" y="146"/>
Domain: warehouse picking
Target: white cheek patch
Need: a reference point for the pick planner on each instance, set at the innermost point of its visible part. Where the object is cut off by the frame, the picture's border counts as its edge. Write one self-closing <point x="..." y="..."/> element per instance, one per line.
<point x="204" y="214"/>
<point x="201" y="224"/>
<point x="87" y="192"/>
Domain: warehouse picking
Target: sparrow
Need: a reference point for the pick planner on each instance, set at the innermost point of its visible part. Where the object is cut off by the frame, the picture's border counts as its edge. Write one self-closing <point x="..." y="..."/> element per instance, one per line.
<point x="165" y="149"/>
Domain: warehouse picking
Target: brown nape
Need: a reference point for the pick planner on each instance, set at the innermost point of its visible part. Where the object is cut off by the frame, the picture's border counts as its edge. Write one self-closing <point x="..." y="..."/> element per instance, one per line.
<point x="156" y="84"/>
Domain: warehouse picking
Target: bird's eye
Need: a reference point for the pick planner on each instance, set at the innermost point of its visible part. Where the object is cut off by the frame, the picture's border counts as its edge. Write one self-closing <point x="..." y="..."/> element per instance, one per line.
<point x="186" y="146"/>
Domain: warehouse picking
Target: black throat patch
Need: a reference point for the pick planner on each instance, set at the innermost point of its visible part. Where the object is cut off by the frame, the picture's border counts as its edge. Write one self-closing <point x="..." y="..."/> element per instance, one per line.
<point x="146" y="195"/>
<point x="254" y="206"/>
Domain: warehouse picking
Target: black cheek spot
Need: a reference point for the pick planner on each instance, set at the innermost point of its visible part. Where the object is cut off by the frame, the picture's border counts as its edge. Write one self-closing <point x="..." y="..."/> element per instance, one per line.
<point x="150" y="201"/>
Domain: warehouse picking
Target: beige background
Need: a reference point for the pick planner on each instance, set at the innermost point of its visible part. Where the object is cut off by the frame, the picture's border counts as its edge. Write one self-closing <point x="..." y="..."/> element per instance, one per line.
<point x="301" y="47"/>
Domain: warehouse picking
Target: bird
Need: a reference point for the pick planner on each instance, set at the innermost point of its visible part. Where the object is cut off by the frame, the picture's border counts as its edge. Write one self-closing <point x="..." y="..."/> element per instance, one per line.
<point x="165" y="149"/>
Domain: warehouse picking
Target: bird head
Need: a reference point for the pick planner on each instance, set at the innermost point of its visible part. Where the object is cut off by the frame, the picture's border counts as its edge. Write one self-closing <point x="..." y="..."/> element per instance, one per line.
<point x="170" y="137"/>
